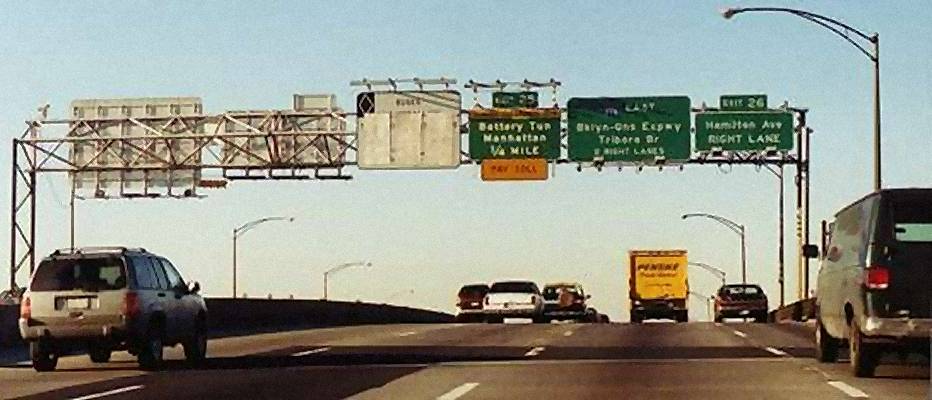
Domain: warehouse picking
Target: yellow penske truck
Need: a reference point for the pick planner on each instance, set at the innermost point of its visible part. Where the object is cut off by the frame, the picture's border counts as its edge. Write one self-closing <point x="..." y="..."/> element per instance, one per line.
<point x="658" y="285"/>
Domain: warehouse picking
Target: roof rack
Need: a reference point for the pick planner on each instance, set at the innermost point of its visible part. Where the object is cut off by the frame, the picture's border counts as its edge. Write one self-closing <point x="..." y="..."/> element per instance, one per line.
<point x="96" y="249"/>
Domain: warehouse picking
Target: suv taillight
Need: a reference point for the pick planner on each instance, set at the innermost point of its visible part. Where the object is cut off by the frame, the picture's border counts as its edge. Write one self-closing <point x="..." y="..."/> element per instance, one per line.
<point x="130" y="305"/>
<point x="877" y="277"/>
<point x="25" y="308"/>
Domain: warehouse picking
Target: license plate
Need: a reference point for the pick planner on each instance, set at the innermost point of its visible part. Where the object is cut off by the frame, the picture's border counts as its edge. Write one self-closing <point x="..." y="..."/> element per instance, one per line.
<point x="80" y="304"/>
<point x="745" y="312"/>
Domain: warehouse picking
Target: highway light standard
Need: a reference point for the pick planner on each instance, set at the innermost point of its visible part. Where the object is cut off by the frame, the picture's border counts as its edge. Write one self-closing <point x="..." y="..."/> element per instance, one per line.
<point x="242" y="229"/>
<point x="707" y="267"/>
<point x="843" y="30"/>
<point x="341" y="267"/>
<point x="736" y="228"/>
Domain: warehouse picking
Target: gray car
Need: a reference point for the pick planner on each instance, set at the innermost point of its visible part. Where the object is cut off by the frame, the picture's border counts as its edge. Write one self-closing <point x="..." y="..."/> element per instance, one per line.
<point x="111" y="298"/>
<point x="875" y="279"/>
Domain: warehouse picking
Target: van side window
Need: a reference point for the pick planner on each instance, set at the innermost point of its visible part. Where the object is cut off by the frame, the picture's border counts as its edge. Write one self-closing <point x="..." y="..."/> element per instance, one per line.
<point x="145" y="279"/>
<point x="160" y="274"/>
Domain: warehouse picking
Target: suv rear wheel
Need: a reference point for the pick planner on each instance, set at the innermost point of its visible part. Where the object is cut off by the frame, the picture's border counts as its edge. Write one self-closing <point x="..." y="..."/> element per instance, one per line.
<point x="42" y="355"/>
<point x="826" y="345"/>
<point x="151" y="348"/>
<point x="100" y="353"/>
<point x="863" y="356"/>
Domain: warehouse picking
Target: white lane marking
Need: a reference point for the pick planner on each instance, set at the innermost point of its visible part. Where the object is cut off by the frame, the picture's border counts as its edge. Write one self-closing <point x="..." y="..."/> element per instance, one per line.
<point x="535" y="351"/>
<point x="741" y="334"/>
<point x="458" y="391"/>
<point x="109" y="393"/>
<point x="718" y="324"/>
<point x="568" y="333"/>
<point x="602" y="361"/>
<point x="778" y="352"/>
<point x="849" y="390"/>
<point x="409" y="333"/>
<point x="315" y="351"/>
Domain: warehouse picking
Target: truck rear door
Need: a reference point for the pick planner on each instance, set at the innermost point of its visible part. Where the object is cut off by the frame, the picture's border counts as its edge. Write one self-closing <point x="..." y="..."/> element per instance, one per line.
<point x="910" y="254"/>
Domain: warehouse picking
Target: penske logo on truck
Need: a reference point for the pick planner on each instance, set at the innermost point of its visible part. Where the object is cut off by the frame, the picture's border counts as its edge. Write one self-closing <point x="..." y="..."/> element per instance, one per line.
<point x="659" y="274"/>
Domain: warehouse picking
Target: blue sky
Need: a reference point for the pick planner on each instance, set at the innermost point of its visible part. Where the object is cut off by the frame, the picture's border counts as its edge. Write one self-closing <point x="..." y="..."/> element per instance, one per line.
<point x="432" y="231"/>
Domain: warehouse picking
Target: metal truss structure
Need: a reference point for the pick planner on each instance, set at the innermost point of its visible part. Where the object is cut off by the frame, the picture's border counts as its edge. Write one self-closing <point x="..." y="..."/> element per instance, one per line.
<point x="219" y="148"/>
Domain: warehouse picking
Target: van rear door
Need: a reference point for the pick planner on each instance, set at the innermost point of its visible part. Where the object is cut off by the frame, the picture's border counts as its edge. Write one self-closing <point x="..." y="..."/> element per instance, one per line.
<point x="910" y="214"/>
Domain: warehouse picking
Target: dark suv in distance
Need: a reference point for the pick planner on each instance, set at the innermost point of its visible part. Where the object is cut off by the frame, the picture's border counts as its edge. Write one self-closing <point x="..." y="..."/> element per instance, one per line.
<point x="874" y="287"/>
<point x="741" y="301"/>
<point x="469" y="302"/>
<point x="111" y="298"/>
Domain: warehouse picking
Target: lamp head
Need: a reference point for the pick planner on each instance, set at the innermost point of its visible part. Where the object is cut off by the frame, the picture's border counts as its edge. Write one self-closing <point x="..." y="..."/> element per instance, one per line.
<point x="730" y="12"/>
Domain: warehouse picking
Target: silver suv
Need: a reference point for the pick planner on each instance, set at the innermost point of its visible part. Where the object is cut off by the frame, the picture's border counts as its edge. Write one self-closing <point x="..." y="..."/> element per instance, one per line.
<point x="111" y="298"/>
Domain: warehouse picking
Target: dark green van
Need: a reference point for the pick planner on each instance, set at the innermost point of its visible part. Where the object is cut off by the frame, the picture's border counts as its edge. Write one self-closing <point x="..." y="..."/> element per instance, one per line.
<point x="875" y="279"/>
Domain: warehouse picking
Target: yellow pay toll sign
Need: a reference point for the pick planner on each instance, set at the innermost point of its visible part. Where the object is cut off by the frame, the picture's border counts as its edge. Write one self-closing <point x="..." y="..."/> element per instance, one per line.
<point x="530" y="169"/>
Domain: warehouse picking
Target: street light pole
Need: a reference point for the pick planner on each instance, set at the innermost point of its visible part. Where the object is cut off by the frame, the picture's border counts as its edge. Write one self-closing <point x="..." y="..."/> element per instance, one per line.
<point x="843" y="30"/>
<point x="718" y="271"/>
<point x="339" y="268"/>
<point x="242" y="229"/>
<point x="736" y="228"/>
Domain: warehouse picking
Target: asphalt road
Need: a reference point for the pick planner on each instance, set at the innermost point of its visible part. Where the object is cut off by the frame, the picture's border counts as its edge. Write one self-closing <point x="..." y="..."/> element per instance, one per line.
<point x="484" y="361"/>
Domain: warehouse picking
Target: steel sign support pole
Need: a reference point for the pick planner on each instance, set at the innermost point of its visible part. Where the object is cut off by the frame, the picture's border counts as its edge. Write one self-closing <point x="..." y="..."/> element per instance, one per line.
<point x="234" y="262"/>
<point x="781" y="246"/>
<point x="13" y="208"/>
<point x="807" y="132"/>
<point x="744" y="257"/>
<point x="875" y="40"/>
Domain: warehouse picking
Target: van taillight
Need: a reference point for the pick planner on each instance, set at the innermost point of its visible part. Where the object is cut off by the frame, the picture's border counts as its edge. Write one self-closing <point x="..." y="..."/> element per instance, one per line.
<point x="131" y="305"/>
<point x="25" y="308"/>
<point x="877" y="277"/>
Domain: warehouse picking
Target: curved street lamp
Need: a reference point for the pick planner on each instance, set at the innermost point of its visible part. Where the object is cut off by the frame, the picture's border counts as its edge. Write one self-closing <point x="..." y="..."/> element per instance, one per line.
<point x="341" y="267"/>
<point x="707" y="267"/>
<point x="242" y="229"/>
<point x="844" y="31"/>
<point x="736" y="228"/>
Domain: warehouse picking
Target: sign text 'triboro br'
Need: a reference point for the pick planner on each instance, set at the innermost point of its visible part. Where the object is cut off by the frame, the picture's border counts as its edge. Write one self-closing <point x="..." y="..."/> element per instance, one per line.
<point x="638" y="130"/>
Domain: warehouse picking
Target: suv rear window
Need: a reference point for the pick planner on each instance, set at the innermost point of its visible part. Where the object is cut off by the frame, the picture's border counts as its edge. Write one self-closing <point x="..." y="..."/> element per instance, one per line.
<point x="473" y="290"/>
<point x="745" y="291"/>
<point x="513" y="287"/>
<point x="87" y="274"/>
<point x="553" y="292"/>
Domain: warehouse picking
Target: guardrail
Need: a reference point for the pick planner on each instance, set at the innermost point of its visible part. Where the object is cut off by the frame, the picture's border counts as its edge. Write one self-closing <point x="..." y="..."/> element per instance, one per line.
<point x="244" y="315"/>
<point x="802" y="310"/>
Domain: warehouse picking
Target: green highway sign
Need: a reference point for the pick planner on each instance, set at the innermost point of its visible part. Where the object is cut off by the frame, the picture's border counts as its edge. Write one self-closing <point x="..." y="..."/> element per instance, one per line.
<point x="743" y="102"/>
<point x="629" y="129"/>
<point x="514" y="133"/>
<point x="744" y="131"/>
<point x="514" y="99"/>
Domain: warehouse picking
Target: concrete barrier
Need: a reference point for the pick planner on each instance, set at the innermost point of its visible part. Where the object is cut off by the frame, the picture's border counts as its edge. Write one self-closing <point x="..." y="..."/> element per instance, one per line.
<point x="802" y="310"/>
<point x="227" y="315"/>
<point x="231" y="316"/>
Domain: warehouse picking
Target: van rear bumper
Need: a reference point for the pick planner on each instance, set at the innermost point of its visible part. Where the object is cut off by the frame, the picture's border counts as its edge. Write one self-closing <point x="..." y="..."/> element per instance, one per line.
<point x="898" y="327"/>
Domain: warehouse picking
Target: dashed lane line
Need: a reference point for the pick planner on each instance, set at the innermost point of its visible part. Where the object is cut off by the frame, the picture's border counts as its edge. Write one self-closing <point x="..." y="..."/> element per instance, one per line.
<point x="568" y="333"/>
<point x="778" y="352"/>
<point x="534" y="352"/>
<point x="409" y="333"/>
<point x="109" y="392"/>
<point x="309" y="352"/>
<point x="849" y="390"/>
<point x="740" y="334"/>
<point x="458" y="391"/>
